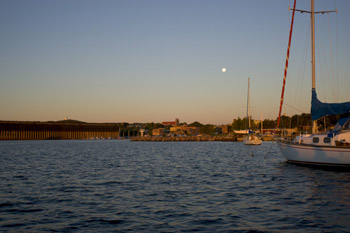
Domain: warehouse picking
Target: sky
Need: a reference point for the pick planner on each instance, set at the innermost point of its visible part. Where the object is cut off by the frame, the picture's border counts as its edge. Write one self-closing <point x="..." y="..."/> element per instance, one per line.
<point x="157" y="60"/>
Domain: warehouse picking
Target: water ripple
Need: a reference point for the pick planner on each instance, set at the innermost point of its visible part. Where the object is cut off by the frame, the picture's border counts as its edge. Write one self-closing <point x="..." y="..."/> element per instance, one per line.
<point x="86" y="186"/>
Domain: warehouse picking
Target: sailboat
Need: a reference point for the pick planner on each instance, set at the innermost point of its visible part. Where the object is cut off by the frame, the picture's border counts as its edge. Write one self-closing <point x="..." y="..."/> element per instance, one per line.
<point x="251" y="138"/>
<point x="327" y="149"/>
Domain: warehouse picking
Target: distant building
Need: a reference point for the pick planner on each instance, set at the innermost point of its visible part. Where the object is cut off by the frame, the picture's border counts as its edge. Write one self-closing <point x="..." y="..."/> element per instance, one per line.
<point x="142" y="131"/>
<point x="158" y="132"/>
<point x="171" y="123"/>
<point x="225" y="129"/>
<point x="184" y="129"/>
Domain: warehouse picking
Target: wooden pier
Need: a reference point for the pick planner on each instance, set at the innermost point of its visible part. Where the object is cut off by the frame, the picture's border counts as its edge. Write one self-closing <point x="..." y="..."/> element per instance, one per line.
<point x="47" y="130"/>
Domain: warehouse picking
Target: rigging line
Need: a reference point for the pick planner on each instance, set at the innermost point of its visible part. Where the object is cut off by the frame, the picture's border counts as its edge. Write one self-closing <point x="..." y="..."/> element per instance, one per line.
<point x="268" y="151"/>
<point x="320" y="69"/>
<point x="294" y="108"/>
<point x="331" y="76"/>
<point x="324" y="73"/>
<point x="330" y="46"/>
<point x="326" y="65"/>
<point x="297" y="121"/>
<point x="302" y="67"/>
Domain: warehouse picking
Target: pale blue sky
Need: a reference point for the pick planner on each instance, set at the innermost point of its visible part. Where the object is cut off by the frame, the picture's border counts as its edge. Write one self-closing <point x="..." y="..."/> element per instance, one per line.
<point x="157" y="60"/>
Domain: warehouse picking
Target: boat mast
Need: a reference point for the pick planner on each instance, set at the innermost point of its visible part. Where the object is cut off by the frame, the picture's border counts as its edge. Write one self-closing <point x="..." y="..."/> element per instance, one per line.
<point x="313" y="44"/>
<point x="314" y="123"/>
<point x="261" y="116"/>
<point x="313" y="72"/>
<point x="286" y="66"/>
<point x="248" y="103"/>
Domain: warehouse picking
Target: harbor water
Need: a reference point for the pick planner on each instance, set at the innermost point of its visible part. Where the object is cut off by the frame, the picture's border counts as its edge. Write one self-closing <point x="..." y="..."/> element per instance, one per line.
<point x="124" y="186"/>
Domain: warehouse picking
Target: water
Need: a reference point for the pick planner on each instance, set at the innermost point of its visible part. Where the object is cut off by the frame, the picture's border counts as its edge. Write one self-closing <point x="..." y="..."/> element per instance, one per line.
<point x="94" y="186"/>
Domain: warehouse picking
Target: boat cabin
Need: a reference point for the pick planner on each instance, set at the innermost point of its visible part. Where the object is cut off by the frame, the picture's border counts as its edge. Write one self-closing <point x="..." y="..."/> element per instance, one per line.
<point x="339" y="136"/>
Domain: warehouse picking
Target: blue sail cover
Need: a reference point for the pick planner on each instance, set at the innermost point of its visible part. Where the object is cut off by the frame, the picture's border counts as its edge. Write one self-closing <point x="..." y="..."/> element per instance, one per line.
<point x="338" y="127"/>
<point x="319" y="109"/>
<point x="250" y="131"/>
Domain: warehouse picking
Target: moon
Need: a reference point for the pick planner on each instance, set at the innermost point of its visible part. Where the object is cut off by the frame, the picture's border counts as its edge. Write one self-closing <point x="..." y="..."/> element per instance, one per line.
<point x="223" y="69"/>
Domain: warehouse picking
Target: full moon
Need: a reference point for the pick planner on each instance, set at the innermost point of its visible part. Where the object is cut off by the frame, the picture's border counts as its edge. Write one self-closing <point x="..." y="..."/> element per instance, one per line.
<point x="223" y="69"/>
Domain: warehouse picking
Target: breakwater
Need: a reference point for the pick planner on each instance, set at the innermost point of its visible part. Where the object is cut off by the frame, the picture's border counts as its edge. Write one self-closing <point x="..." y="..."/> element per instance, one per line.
<point x="48" y="130"/>
<point x="218" y="138"/>
<point x="186" y="139"/>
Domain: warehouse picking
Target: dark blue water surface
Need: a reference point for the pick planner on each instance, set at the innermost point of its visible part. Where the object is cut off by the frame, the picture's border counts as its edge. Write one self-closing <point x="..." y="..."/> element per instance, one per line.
<point x="106" y="186"/>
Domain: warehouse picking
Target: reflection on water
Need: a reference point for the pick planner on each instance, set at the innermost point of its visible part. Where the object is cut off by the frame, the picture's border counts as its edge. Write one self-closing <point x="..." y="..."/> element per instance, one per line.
<point x="165" y="187"/>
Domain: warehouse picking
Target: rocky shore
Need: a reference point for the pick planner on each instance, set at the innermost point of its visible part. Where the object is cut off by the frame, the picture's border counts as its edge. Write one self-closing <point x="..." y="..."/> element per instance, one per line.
<point x="186" y="138"/>
<point x="193" y="138"/>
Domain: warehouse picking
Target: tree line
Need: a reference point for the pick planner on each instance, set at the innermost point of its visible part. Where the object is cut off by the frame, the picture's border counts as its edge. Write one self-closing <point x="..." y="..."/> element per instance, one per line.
<point x="296" y="121"/>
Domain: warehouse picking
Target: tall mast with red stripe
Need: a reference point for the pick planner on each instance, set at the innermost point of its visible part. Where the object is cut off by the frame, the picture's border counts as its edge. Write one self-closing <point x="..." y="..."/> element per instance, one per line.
<point x="286" y="66"/>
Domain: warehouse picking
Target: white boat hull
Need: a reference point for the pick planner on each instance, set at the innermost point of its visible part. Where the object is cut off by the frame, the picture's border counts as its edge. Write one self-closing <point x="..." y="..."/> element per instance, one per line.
<point x="315" y="155"/>
<point x="252" y="142"/>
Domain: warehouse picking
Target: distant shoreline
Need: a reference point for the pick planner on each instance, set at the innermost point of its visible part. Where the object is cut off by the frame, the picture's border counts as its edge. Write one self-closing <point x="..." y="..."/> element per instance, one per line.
<point x="185" y="139"/>
<point x="204" y="138"/>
